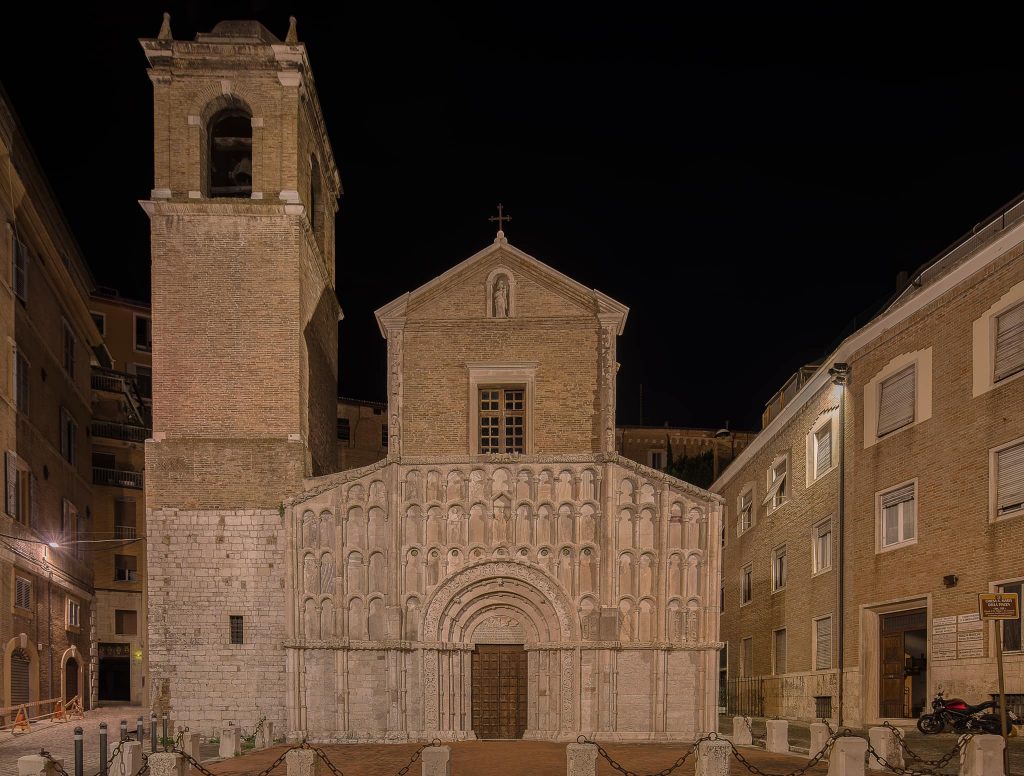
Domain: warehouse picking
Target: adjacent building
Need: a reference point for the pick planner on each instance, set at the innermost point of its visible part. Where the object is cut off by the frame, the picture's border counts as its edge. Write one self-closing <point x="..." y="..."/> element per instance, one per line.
<point x="661" y="446"/>
<point x="362" y="432"/>
<point x="47" y="616"/>
<point x="884" y="493"/>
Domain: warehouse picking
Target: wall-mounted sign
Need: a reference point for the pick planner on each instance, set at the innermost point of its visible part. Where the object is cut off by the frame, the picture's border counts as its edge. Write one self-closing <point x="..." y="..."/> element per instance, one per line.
<point x="999" y="606"/>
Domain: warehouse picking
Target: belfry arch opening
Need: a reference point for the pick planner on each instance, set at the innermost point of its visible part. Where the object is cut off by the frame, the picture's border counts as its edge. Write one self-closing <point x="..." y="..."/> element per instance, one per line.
<point x="229" y="153"/>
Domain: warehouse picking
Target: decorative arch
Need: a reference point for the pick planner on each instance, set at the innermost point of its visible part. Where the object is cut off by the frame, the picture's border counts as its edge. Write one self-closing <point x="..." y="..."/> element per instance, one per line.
<point x="78" y="667"/>
<point x="22" y="642"/>
<point x="227" y="147"/>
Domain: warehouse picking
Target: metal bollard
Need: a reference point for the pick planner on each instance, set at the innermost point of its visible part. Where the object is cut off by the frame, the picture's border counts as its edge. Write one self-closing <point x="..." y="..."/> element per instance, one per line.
<point x="79" y="753"/>
<point x="140" y="729"/>
<point x="103" y="749"/>
<point x="124" y="729"/>
<point x="152" y="730"/>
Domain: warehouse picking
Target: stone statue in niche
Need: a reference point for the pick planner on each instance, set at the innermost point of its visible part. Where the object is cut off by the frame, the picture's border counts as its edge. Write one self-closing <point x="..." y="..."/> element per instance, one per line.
<point x="691" y="625"/>
<point x="501" y="297"/>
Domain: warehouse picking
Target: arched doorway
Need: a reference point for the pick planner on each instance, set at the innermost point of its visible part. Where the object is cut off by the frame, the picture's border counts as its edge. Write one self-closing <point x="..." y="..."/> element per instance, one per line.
<point x="70" y="679"/>
<point x="21" y="672"/>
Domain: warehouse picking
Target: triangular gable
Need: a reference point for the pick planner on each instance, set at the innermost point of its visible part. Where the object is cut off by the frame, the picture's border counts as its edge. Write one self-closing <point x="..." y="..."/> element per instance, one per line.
<point x="606" y="307"/>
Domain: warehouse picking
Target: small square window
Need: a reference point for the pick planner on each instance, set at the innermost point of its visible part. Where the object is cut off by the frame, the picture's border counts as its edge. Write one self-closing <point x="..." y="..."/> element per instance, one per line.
<point x="502" y="420"/>
<point x="656" y="459"/>
<point x="74" y="614"/>
<point x="896" y="400"/>
<point x="22" y="593"/>
<point x="237" y="631"/>
<point x="344" y="430"/>
<point x="898" y="516"/>
<point x="126" y="622"/>
<point x="143" y="333"/>
<point x="126" y="568"/>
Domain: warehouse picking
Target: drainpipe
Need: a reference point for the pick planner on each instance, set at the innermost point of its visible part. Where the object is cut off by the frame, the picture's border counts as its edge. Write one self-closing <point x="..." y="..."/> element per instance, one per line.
<point x="840" y="373"/>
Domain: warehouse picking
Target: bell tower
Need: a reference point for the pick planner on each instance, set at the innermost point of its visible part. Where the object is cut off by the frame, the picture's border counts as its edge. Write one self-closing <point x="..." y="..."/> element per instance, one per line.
<point x="244" y="311"/>
<point x="245" y="334"/>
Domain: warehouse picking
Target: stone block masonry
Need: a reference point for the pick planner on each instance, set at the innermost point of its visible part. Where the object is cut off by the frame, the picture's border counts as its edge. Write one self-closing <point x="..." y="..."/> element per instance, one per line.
<point x="236" y="567"/>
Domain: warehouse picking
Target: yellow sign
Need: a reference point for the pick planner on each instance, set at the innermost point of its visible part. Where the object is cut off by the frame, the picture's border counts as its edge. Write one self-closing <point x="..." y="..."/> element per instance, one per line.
<point x="999" y="606"/>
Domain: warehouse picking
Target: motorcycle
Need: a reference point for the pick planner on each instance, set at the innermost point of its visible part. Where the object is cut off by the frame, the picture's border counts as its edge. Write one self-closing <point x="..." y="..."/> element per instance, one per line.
<point x="963" y="717"/>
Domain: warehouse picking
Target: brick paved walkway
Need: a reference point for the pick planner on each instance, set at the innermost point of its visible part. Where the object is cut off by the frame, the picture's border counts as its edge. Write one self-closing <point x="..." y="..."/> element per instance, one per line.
<point x="500" y="758"/>
<point x="58" y="739"/>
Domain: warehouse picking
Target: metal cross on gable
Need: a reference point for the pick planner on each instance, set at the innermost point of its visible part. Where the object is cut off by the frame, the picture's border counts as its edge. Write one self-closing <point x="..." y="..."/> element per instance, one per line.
<point x="500" y="218"/>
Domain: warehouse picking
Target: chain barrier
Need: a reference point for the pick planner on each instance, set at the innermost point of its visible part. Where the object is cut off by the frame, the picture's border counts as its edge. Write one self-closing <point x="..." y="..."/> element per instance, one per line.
<point x="932" y="766"/>
<point x="56" y="765"/>
<point x="664" y="772"/>
<point x="837" y="734"/>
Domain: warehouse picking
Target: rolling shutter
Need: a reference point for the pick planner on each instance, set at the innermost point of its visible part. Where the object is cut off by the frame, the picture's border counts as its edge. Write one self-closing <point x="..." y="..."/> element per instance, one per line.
<point x="896" y="403"/>
<point x="823" y="454"/>
<point x="1010" y="479"/>
<point x="898" y="496"/>
<point x="1010" y="342"/>
<point x="11" y="482"/>
<point x="20" y="665"/>
<point x="823" y="644"/>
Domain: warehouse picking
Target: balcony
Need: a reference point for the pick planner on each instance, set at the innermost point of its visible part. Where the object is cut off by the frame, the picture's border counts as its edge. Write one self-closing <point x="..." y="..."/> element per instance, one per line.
<point x="116" y="478"/>
<point x="123" y="431"/>
<point x="124" y="531"/>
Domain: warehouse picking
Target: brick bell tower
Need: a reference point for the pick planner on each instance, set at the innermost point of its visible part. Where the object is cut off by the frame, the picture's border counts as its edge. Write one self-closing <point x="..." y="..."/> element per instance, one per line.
<point x="245" y="327"/>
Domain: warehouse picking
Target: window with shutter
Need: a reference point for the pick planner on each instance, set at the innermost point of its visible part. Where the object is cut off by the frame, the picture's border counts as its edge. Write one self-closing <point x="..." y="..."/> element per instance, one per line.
<point x="897" y="395"/>
<point x="1010" y="480"/>
<point x="822" y="547"/>
<point x="779" y="568"/>
<point x="22" y="593"/>
<point x="777" y="486"/>
<point x="823" y="644"/>
<point x="746" y="510"/>
<point x="20" y="381"/>
<point x="746" y="584"/>
<point x="20" y="270"/>
<point x="779" y="655"/>
<point x="11" y="482"/>
<point x="823" y="450"/>
<point x="898" y="515"/>
<point x="20" y="670"/>
<point x="1009" y="357"/>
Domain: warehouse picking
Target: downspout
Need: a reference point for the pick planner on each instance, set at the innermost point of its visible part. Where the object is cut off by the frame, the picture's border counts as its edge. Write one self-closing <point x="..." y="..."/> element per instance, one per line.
<point x="840" y="373"/>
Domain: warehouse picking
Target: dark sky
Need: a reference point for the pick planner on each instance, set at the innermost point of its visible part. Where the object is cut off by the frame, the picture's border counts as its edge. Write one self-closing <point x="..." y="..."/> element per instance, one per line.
<point x="746" y="185"/>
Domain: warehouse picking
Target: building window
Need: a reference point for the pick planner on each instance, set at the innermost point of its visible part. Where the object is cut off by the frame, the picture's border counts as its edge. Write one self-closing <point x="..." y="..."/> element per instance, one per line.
<point x="384" y="435"/>
<point x="236" y="626"/>
<point x="74" y="614"/>
<point x="68" y="436"/>
<point x="821" y="547"/>
<point x="1008" y="470"/>
<point x="896" y="399"/>
<point x="779" y="652"/>
<point x="656" y="459"/>
<point x="126" y="622"/>
<point x="344" y="430"/>
<point x="898" y="515"/>
<point x="1009" y="356"/>
<point x="230" y="154"/>
<point x="1011" y="628"/>
<point x="823" y="643"/>
<point x="143" y="333"/>
<point x="69" y="526"/>
<point x="20" y="487"/>
<point x="779" y="568"/>
<point x="746" y="584"/>
<point x="101" y="323"/>
<point x="20" y="381"/>
<point x="20" y="270"/>
<point x="746" y="510"/>
<point x="502" y="420"/>
<point x="747" y="669"/>
<point x="69" y="350"/>
<point x="998" y="342"/>
<point x="22" y="593"/>
<point x="124" y="518"/>
<point x="819" y="449"/>
<point x="126" y="568"/>
<point x="777" y="485"/>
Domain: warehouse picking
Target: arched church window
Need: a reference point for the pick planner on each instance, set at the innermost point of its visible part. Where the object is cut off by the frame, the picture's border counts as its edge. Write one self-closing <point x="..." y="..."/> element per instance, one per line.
<point x="230" y="157"/>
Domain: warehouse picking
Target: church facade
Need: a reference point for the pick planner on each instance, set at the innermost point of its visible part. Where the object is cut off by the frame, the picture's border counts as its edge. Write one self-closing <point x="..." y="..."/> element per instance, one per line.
<point x="502" y="573"/>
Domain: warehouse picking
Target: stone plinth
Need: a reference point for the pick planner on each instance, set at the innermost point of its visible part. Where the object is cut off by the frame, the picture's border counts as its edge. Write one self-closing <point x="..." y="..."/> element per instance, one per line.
<point x="819" y="736"/>
<point x="230" y="742"/>
<point x="885" y="742"/>
<point x="713" y="758"/>
<point x="190" y="744"/>
<point x="167" y="764"/>
<point x="983" y="756"/>
<point x="37" y="765"/>
<point x="265" y="735"/>
<point x="777" y="738"/>
<point x="436" y="761"/>
<point x="580" y="760"/>
<point x="303" y="762"/>
<point x="128" y="760"/>
<point x="741" y="735"/>
<point x="847" y="757"/>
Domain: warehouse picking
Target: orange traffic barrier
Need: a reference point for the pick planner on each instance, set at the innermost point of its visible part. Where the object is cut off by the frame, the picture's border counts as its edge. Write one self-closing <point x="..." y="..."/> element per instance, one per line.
<point x="58" y="713"/>
<point x="21" y="723"/>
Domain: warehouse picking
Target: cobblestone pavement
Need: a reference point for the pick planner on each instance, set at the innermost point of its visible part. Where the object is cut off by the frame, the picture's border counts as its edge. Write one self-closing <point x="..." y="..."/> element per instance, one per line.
<point x="499" y="758"/>
<point x="927" y="747"/>
<point x="58" y="738"/>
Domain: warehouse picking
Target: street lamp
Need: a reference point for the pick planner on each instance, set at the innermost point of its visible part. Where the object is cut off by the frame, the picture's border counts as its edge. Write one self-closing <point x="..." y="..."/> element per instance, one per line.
<point x="840" y="374"/>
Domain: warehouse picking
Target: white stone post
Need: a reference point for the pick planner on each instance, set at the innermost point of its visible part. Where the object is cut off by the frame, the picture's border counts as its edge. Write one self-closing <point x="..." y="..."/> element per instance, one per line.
<point x="713" y="758"/>
<point x="819" y="736"/>
<point x="302" y="762"/>
<point x="983" y="756"/>
<point x="884" y="741"/>
<point x="167" y="764"/>
<point x="436" y="761"/>
<point x="129" y="758"/>
<point x="37" y="765"/>
<point x="847" y="758"/>
<point x="580" y="760"/>
<point x="741" y="732"/>
<point x="265" y="735"/>
<point x="230" y="741"/>
<point x="190" y="744"/>
<point x="777" y="738"/>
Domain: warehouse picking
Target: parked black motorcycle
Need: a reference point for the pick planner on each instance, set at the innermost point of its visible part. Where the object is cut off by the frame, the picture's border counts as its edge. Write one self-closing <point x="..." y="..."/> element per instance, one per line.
<point x="962" y="717"/>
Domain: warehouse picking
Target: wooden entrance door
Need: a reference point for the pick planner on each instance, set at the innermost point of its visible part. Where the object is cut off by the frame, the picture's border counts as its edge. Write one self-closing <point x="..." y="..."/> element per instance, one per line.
<point x="894" y="694"/>
<point x="500" y="680"/>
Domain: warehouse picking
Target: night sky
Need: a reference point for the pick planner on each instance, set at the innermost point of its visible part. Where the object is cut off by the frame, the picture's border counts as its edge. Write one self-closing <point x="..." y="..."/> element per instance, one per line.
<point x="747" y="186"/>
